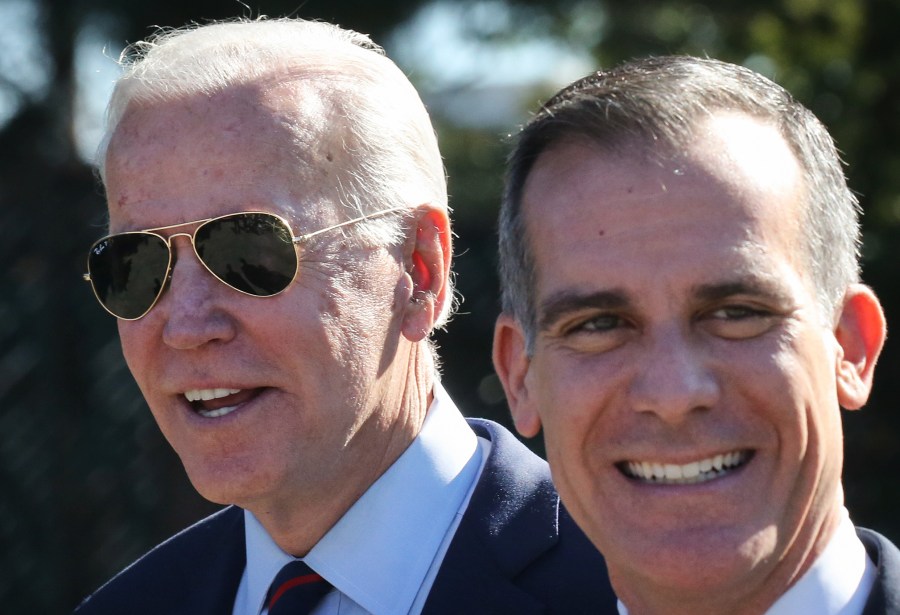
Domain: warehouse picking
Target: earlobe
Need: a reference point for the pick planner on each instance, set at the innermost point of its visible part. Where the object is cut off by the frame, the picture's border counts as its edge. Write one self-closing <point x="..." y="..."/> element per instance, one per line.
<point x="427" y="259"/>
<point x="511" y="362"/>
<point x="860" y="333"/>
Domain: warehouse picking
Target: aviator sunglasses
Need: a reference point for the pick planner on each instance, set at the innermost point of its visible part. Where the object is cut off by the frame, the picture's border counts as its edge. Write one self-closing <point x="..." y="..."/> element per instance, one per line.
<point x="252" y="252"/>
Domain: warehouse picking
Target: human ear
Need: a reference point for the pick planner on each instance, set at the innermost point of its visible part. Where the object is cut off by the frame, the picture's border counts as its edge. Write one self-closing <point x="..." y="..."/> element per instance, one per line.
<point x="860" y="333"/>
<point x="426" y="257"/>
<point x="511" y="362"/>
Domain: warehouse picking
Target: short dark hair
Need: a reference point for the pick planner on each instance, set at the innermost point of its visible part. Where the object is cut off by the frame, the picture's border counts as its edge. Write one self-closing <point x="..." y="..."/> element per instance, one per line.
<point x="656" y="102"/>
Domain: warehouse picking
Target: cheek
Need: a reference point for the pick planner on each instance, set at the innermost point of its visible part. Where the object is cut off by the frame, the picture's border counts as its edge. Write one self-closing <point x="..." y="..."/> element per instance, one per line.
<point x="136" y="345"/>
<point x="803" y="378"/>
<point x="576" y="402"/>
<point x="575" y="391"/>
<point x="356" y="327"/>
<point x="819" y="422"/>
<point x="792" y="394"/>
<point x="574" y="446"/>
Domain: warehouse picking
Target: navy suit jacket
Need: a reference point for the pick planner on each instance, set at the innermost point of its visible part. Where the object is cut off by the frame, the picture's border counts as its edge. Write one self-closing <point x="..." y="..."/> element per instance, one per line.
<point x="516" y="552"/>
<point x="885" y="596"/>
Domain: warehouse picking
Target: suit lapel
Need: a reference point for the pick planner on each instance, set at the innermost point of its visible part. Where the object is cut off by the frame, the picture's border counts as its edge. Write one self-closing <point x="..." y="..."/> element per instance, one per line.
<point x="225" y="565"/>
<point x="201" y="577"/>
<point x="885" y="596"/>
<point x="511" y="520"/>
<point x="196" y="572"/>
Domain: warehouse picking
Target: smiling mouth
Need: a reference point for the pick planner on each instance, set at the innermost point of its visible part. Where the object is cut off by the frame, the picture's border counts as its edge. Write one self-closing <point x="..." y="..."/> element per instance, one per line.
<point x="216" y="403"/>
<point x="700" y="471"/>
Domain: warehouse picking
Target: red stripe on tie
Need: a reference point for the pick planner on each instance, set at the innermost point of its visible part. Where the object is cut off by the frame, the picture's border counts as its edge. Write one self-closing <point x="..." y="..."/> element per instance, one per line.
<point x="301" y="580"/>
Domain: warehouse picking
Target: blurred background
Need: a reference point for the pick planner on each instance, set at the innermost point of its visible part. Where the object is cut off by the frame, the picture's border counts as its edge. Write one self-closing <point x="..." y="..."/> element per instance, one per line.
<point x="87" y="483"/>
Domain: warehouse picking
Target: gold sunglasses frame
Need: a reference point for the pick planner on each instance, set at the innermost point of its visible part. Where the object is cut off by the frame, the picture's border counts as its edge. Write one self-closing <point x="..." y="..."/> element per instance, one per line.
<point x="295" y="239"/>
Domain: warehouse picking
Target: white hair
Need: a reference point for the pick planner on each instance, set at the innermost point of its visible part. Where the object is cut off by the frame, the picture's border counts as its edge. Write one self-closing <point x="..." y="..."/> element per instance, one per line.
<point x="385" y="132"/>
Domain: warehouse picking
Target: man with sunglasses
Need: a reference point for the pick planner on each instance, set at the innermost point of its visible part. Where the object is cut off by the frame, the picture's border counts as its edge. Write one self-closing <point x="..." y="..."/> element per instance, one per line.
<point x="279" y="254"/>
<point x="685" y="328"/>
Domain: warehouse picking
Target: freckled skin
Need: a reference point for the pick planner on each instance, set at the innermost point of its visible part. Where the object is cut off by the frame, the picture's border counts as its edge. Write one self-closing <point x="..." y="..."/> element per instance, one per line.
<point x="327" y="354"/>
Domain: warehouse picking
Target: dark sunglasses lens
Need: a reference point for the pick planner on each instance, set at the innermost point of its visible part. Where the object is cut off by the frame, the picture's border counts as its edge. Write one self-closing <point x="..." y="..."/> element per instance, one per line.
<point x="253" y="253"/>
<point x="128" y="272"/>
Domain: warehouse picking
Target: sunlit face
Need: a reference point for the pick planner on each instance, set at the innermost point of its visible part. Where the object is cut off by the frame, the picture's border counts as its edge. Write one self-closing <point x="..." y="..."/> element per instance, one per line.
<point x="683" y="371"/>
<point x="308" y="409"/>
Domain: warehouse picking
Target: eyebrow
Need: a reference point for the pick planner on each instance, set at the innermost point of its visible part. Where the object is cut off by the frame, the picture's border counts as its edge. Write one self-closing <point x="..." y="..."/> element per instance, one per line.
<point x="564" y="302"/>
<point x="752" y="286"/>
<point x="560" y="304"/>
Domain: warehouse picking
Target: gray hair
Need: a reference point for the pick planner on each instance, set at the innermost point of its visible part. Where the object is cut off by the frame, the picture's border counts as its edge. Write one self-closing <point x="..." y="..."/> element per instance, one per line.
<point x="385" y="131"/>
<point x="657" y="102"/>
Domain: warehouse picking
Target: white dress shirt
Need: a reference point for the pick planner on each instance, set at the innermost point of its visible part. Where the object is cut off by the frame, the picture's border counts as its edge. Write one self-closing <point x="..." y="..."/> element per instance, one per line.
<point x="383" y="555"/>
<point x="838" y="583"/>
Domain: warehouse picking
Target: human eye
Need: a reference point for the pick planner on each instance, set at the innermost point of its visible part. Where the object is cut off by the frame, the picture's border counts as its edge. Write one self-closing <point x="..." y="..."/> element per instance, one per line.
<point x="602" y="323"/>
<point x="740" y="321"/>
<point x="589" y="322"/>
<point x="592" y="333"/>
<point x="738" y="312"/>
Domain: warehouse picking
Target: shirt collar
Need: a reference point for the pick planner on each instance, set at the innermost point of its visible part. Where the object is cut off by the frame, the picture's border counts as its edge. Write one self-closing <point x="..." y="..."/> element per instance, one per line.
<point x="838" y="583"/>
<point x="380" y="551"/>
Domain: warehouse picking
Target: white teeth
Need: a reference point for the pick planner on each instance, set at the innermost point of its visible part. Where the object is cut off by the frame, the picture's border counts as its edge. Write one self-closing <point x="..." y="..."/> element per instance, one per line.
<point x="673" y="472"/>
<point x="208" y="394"/>
<point x="690" y="470"/>
<point x="213" y="414"/>
<point x="689" y="473"/>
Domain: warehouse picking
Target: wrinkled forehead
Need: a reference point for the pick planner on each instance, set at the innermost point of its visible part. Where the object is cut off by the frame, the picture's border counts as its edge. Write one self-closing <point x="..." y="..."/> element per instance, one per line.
<point x="196" y="156"/>
<point x="295" y="120"/>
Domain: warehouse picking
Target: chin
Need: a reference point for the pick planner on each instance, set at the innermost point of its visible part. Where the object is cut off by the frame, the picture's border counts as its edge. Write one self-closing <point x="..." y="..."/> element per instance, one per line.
<point x="692" y="563"/>
<point x="227" y="483"/>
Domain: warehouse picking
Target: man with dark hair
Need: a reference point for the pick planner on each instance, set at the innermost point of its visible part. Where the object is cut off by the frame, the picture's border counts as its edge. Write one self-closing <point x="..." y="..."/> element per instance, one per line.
<point x="682" y="315"/>
<point x="279" y="258"/>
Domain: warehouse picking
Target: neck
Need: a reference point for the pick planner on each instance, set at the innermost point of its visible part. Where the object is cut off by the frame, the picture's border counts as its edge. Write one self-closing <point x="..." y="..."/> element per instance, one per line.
<point x="383" y="432"/>
<point x="750" y="593"/>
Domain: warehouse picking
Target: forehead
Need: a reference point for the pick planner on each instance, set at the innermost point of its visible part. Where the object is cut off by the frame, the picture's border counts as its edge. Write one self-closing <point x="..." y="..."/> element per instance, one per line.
<point x="250" y="115"/>
<point x="264" y="143"/>
<point x="734" y="192"/>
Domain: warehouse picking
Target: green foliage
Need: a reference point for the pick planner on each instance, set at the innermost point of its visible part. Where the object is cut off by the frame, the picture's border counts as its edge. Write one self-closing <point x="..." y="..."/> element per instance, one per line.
<point x="89" y="483"/>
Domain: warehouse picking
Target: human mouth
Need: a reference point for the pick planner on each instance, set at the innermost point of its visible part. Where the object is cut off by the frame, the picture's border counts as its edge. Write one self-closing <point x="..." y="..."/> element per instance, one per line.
<point x="700" y="471"/>
<point x="214" y="403"/>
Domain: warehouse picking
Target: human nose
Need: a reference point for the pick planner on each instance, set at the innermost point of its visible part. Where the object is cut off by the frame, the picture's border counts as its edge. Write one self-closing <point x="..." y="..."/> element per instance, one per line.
<point x="674" y="377"/>
<point x="191" y="308"/>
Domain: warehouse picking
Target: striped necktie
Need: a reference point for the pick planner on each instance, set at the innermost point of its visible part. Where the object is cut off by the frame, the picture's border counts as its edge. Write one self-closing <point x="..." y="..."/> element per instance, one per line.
<point x="296" y="590"/>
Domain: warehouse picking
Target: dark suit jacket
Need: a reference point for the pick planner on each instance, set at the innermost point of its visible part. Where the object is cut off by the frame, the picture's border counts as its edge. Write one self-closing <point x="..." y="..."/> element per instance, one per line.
<point x="516" y="552"/>
<point x="885" y="596"/>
